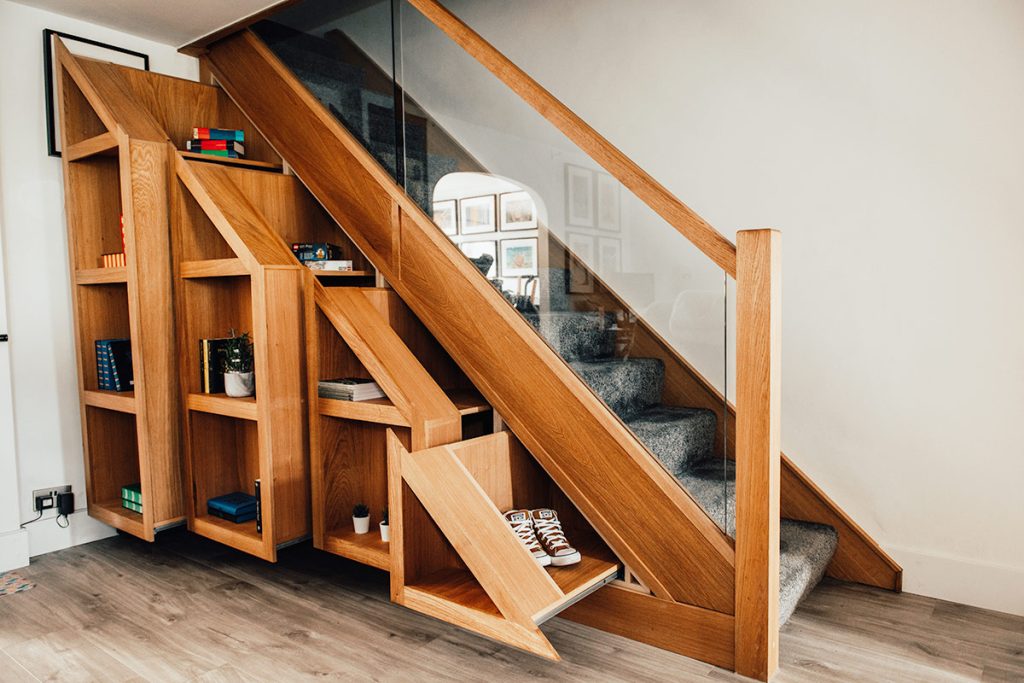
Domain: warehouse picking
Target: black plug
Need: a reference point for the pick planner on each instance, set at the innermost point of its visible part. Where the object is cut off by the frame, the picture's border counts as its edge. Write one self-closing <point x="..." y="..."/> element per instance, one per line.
<point x="65" y="504"/>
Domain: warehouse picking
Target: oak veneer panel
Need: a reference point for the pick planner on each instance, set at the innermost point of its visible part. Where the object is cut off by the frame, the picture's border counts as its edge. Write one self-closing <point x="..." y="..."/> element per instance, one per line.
<point x="377" y="410"/>
<point x="230" y="162"/>
<point x="243" y="408"/>
<point x="587" y="451"/>
<point x="79" y="121"/>
<point x="121" y="401"/>
<point x="223" y="267"/>
<point x="100" y="276"/>
<point x="94" y="190"/>
<point x="352" y="468"/>
<point x="112" y="449"/>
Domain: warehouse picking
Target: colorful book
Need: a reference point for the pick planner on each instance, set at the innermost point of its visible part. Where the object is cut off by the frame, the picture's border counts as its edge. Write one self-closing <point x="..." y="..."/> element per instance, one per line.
<point x="220" y="153"/>
<point x="333" y="266"/>
<point x="131" y="505"/>
<point x="114" y="365"/>
<point x="215" y="146"/>
<point x="132" y="492"/>
<point x="211" y="365"/>
<point x="218" y="134"/>
<point x="316" y="251"/>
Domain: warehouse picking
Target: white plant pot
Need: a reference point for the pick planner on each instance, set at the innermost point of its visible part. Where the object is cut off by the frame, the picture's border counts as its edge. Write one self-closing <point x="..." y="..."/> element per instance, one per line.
<point x="385" y="532"/>
<point x="361" y="524"/>
<point x="239" y="384"/>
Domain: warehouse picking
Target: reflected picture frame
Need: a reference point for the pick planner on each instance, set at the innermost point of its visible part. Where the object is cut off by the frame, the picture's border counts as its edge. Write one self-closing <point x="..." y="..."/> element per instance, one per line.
<point x="446" y="216"/>
<point x="477" y="215"/>
<point x="517" y="211"/>
<point x="579" y="251"/>
<point x="519" y="257"/>
<point x="579" y="196"/>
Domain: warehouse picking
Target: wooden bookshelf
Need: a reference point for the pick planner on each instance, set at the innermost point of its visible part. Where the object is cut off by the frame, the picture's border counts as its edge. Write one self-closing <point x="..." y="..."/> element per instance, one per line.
<point x="115" y="163"/>
<point x="228" y="161"/>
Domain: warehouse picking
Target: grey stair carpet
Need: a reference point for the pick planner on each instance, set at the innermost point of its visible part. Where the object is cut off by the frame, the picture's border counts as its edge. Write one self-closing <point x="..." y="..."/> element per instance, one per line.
<point x="628" y="386"/>
<point x="678" y="436"/>
<point x="577" y="335"/>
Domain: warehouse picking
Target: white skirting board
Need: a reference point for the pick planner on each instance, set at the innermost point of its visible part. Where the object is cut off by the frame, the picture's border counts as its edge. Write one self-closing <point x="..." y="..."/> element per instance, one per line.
<point x="13" y="550"/>
<point x="45" y="536"/>
<point x="981" y="584"/>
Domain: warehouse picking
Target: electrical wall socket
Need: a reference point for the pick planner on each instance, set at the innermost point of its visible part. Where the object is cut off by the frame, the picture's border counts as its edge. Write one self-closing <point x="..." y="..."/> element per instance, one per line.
<point x="46" y="499"/>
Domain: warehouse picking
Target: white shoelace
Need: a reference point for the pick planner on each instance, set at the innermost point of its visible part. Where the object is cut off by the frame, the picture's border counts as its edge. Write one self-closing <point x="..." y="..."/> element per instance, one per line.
<point x="550" y="532"/>
<point x="524" y="530"/>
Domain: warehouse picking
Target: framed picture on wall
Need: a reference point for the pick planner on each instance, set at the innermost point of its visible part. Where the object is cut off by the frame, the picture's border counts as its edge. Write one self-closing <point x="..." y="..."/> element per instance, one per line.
<point x="518" y="211"/>
<point x="580" y="252"/>
<point x="579" y="196"/>
<point x="86" y="47"/>
<point x="446" y="217"/>
<point x="609" y="255"/>
<point x="519" y="257"/>
<point x="607" y="202"/>
<point x="477" y="214"/>
<point x="474" y="250"/>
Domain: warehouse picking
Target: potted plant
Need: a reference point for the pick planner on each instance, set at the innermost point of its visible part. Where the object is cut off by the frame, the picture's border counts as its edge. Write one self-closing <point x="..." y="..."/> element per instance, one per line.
<point x="236" y="357"/>
<point x="385" y="528"/>
<point x="361" y="518"/>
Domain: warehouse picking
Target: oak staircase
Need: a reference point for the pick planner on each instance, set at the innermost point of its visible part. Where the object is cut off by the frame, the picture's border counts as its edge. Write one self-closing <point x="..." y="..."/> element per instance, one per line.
<point x="693" y="568"/>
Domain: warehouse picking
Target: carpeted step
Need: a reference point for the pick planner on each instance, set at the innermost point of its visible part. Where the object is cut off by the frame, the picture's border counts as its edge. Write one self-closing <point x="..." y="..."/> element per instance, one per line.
<point x="577" y="335"/>
<point x="628" y="386"/>
<point x="679" y="437"/>
<point x="558" y="288"/>
<point x="805" y="549"/>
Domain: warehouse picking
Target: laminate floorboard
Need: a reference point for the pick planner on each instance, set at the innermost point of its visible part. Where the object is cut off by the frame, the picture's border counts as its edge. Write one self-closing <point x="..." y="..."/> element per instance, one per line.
<point x="187" y="609"/>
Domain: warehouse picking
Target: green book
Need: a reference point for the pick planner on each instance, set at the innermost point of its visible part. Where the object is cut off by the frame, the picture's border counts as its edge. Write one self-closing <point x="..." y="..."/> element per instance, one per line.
<point x="133" y="493"/>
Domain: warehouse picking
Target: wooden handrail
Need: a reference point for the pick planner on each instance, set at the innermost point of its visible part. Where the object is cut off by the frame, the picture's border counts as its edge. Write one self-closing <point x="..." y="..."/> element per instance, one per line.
<point x="758" y="452"/>
<point x="681" y="217"/>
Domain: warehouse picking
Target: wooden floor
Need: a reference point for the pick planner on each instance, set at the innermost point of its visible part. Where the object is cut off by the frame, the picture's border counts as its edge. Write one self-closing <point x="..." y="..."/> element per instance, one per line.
<point x="188" y="609"/>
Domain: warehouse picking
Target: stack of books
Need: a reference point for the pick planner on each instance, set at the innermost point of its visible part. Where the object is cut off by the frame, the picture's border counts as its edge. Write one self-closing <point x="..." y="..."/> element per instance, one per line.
<point x="320" y="256"/>
<point x="217" y="142"/>
<point x="349" y="389"/>
<point x="114" y="365"/>
<point x="131" y="497"/>
<point x="211" y="365"/>
<point x="235" y="507"/>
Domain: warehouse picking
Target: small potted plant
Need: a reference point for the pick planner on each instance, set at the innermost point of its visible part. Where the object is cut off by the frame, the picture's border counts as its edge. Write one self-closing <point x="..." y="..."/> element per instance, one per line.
<point x="361" y="518"/>
<point x="385" y="528"/>
<point x="236" y="357"/>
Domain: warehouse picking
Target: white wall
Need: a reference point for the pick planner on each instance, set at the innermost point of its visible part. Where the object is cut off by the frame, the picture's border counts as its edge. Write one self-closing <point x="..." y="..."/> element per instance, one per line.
<point x="47" y="429"/>
<point x="885" y="141"/>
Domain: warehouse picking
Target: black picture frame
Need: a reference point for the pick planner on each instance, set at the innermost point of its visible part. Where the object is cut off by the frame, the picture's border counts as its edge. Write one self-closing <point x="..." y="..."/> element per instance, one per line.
<point x="48" y="61"/>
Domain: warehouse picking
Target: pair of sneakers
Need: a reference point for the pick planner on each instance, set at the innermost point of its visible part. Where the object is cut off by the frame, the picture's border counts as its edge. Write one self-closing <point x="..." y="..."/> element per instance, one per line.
<point x="541" y="533"/>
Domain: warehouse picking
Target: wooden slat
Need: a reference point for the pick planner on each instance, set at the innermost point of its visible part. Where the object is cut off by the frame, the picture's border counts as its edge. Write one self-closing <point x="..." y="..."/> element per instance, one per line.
<point x="104" y="143"/>
<point x="228" y="161"/>
<point x="198" y="46"/>
<point x="121" y="401"/>
<point x="625" y="170"/>
<point x="219" y="404"/>
<point x="606" y="472"/>
<point x="365" y="548"/>
<point x="111" y="513"/>
<point x="758" y="462"/>
<point x="687" y="630"/>
<point x="101" y="276"/>
<point x="242" y="536"/>
<point x="221" y="267"/>
<point x="381" y="411"/>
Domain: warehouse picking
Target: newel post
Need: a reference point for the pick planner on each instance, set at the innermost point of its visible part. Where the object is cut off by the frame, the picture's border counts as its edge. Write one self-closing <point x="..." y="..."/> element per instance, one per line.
<point x="758" y="449"/>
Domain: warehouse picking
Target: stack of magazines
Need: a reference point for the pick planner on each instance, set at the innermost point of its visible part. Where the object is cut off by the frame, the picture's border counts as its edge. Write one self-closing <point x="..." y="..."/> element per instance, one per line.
<point x="350" y="389"/>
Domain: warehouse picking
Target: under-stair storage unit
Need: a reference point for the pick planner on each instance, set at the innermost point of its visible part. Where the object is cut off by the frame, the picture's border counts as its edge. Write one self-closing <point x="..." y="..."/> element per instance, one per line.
<point x="369" y="333"/>
<point x="115" y="173"/>
<point x="461" y="562"/>
<point x="235" y="273"/>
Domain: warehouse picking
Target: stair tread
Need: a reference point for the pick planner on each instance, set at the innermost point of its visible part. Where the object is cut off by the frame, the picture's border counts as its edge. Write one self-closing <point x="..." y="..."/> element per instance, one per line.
<point x="577" y="335"/>
<point x="679" y="437"/>
<point x="628" y="386"/>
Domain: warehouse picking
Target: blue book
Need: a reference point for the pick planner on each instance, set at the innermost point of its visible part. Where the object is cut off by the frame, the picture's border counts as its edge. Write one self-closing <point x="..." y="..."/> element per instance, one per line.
<point x="235" y="504"/>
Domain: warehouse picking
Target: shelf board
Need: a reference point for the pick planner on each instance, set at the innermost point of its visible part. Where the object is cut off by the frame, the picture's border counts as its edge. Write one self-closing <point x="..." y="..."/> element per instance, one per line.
<point x="383" y="411"/>
<point x="595" y="568"/>
<point x="220" y="267"/>
<point x="343" y="273"/>
<point x="101" y="276"/>
<point x="219" y="404"/>
<point x="111" y="512"/>
<point x="379" y="410"/>
<point x="104" y="144"/>
<point x="469" y="402"/>
<point x="365" y="548"/>
<point x="241" y="163"/>
<point x="456" y="585"/>
<point x="121" y="401"/>
<point x="242" y="536"/>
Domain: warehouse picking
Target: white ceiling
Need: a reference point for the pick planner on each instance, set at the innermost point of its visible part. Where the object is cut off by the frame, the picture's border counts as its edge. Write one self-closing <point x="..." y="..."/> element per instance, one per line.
<point x="175" y="22"/>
